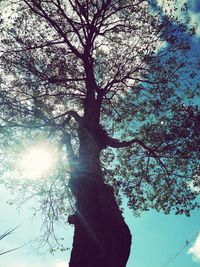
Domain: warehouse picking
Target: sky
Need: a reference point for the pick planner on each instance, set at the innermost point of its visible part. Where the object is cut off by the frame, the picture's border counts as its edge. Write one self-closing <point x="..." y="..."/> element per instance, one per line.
<point x="155" y="239"/>
<point x="158" y="240"/>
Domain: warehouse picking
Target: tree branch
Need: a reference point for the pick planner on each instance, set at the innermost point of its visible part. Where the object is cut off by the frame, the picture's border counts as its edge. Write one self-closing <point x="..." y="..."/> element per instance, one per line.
<point x="112" y="142"/>
<point x="70" y="21"/>
<point x="66" y="140"/>
<point x="39" y="46"/>
<point x="38" y="9"/>
<point x="70" y="113"/>
<point x="8" y="232"/>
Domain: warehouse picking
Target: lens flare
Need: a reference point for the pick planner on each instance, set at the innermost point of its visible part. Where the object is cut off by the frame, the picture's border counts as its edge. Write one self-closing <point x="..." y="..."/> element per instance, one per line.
<point x="37" y="161"/>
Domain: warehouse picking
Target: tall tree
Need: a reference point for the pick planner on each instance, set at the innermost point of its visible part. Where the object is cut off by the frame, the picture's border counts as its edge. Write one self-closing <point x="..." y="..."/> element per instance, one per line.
<point x="86" y="72"/>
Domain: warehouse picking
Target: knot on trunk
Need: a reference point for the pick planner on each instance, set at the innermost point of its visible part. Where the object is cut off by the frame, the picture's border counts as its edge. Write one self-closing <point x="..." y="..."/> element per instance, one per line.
<point x="97" y="133"/>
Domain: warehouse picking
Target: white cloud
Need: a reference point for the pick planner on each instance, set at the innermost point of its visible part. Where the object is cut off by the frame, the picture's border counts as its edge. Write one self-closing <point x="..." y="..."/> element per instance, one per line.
<point x="195" y="19"/>
<point x="60" y="263"/>
<point x="192" y="187"/>
<point x="195" y="249"/>
<point x="194" y="15"/>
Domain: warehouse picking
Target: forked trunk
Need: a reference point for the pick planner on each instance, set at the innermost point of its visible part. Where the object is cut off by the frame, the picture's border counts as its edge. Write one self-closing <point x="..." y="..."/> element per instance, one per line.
<point x="101" y="237"/>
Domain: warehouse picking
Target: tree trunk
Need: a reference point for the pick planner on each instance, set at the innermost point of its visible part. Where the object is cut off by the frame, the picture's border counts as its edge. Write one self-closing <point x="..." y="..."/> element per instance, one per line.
<point x="101" y="237"/>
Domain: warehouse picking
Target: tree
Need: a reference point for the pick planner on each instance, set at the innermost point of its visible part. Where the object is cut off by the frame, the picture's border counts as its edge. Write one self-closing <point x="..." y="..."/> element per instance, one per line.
<point x="88" y="71"/>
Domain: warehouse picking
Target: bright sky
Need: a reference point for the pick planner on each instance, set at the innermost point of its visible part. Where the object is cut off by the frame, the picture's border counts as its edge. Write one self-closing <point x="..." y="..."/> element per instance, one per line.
<point x="37" y="160"/>
<point x="156" y="237"/>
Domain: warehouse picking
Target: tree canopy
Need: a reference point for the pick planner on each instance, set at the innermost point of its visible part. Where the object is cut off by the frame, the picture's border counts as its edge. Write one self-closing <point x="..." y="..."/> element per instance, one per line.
<point x="124" y="65"/>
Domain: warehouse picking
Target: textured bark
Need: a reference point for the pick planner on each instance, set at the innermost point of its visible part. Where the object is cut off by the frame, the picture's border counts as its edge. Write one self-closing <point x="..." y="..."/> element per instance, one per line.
<point x="101" y="237"/>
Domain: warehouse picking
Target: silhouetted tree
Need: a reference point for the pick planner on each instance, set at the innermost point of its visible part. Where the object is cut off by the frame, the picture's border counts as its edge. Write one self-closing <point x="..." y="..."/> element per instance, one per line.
<point x="90" y="74"/>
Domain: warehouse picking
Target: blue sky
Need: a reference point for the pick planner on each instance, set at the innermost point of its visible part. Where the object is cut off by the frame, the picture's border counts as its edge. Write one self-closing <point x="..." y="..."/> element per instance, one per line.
<point x="156" y="237"/>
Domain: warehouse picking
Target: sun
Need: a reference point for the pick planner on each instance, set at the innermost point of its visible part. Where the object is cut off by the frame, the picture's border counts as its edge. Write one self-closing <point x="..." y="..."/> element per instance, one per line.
<point x="37" y="161"/>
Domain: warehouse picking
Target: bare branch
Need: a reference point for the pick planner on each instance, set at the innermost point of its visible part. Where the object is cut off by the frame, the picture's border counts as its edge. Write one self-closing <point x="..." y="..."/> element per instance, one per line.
<point x="6" y="234"/>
